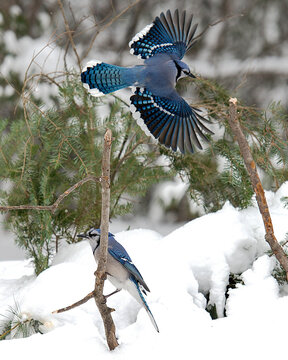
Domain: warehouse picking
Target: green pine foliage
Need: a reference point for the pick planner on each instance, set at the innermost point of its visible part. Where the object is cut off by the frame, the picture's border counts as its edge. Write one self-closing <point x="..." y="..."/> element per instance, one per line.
<point x="218" y="173"/>
<point x="15" y="324"/>
<point x="47" y="152"/>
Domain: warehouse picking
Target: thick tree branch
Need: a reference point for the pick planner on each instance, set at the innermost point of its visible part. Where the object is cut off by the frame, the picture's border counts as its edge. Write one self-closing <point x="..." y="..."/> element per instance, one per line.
<point x="100" y="273"/>
<point x="257" y="186"/>
<point x="54" y="206"/>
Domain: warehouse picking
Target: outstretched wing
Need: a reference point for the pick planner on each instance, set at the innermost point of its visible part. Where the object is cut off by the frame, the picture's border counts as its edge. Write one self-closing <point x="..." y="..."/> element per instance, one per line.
<point x="170" y="120"/>
<point x="120" y="254"/>
<point x="165" y="35"/>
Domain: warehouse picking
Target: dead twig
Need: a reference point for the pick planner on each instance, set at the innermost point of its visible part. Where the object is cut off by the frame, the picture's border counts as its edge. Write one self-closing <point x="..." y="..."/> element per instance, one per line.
<point x="116" y="17"/>
<point x="257" y="186"/>
<point x="69" y="32"/>
<point x="216" y="23"/>
<point x="77" y="303"/>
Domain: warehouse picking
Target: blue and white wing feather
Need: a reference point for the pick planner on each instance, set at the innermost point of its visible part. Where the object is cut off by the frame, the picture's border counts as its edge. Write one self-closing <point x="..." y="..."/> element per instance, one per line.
<point x="165" y="35"/>
<point x="170" y="120"/>
<point x="120" y="254"/>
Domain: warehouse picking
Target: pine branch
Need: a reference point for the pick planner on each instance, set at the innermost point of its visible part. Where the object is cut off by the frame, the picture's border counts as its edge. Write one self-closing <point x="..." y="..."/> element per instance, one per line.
<point x="257" y="186"/>
<point x="54" y="206"/>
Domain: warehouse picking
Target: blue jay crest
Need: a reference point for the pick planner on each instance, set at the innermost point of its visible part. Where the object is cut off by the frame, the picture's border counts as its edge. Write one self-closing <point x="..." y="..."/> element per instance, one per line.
<point x="160" y="111"/>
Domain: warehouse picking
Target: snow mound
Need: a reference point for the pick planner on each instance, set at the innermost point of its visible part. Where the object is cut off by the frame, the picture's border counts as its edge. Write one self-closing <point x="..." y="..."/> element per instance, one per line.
<point x="185" y="271"/>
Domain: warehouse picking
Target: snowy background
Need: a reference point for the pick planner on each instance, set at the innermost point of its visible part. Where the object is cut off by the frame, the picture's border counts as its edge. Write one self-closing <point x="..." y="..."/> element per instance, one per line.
<point x="187" y="266"/>
<point x="183" y="270"/>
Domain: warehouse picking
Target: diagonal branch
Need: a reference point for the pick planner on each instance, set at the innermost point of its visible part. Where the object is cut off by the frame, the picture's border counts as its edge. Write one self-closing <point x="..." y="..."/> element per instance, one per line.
<point x="77" y="303"/>
<point x="257" y="186"/>
<point x="54" y="206"/>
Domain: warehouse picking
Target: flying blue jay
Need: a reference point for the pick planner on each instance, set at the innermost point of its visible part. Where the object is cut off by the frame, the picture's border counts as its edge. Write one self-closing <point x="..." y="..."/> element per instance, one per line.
<point x="156" y="105"/>
<point x="121" y="271"/>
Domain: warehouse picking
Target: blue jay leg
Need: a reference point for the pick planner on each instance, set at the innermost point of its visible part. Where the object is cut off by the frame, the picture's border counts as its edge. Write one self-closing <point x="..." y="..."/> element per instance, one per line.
<point x="114" y="292"/>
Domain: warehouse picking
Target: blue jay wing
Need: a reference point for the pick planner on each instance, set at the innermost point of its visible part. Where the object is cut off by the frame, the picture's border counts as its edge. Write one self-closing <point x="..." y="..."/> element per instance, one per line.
<point x="120" y="254"/>
<point x="167" y="34"/>
<point x="169" y="119"/>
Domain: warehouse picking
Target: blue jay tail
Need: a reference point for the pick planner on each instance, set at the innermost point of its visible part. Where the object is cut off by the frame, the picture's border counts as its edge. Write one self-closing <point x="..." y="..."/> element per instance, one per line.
<point x="144" y="303"/>
<point x="100" y="78"/>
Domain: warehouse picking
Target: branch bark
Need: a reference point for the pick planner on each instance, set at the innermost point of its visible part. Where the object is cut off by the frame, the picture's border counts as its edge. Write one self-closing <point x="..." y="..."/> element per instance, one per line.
<point x="54" y="206"/>
<point x="100" y="273"/>
<point x="77" y="303"/>
<point x="257" y="186"/>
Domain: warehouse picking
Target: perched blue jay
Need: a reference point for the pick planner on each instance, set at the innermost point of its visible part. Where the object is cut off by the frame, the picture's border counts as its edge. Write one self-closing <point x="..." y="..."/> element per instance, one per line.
<point x="121" y="271"/>
<point x="156" y="105"/>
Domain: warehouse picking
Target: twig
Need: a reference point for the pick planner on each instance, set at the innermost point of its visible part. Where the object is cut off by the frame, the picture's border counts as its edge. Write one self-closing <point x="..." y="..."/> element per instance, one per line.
<point x="69" y="32"/>
<point x="107" y="25"/>
<point x="257" y="186"/>
<point x="2" y="336"/>
<point x="54" y="206"/>
<point x="215" y="23"/>
<point x="77" y="303"/>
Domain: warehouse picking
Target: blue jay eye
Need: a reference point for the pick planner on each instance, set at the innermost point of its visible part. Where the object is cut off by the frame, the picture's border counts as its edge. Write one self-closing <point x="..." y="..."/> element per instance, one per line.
<point x="92" y="233"/>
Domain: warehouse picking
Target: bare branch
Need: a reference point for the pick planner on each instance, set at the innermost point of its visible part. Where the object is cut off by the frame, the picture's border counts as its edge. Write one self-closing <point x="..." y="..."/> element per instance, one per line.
<point x="216" y="23"/>
<point x="54" y="206"/>
<point x="77" y="303"/>
<point x="69" y="32"/>
<point x="100" y="273"/>
<point x="257" y="186"/>
<point x="107" y="25"/>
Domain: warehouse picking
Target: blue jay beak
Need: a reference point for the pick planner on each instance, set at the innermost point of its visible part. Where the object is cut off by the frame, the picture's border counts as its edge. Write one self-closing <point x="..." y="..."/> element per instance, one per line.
<point x="84" y="236"/>
<point x="191" y="75"/>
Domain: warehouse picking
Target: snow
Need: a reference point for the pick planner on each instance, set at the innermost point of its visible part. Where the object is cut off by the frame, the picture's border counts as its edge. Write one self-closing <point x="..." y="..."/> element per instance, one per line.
<point x="182" y="269"/>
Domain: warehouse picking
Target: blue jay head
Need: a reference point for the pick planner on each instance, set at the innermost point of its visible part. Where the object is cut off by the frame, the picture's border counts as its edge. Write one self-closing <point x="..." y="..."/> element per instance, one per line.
<point x="182" y="70"/>
<point x="93" y="235"/>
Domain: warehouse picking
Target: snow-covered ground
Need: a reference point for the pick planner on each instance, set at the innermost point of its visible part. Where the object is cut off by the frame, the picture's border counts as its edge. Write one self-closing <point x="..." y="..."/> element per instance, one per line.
<point x="179" y="268"/>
